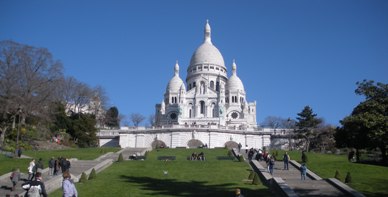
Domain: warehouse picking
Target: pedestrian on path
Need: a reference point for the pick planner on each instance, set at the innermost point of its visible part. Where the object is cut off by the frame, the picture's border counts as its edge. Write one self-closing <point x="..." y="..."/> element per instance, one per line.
<point x="68" y="186"/>
<point x="51" y="164"/>
<point x="15" y="177"/>
<point x="31" y="170"/>
<point x="39" y="166"/>
<point x="271" y="164"/>
<point x="35" y="188"/>
<point x="286" y="159"/>
<point x="303" y="171"/>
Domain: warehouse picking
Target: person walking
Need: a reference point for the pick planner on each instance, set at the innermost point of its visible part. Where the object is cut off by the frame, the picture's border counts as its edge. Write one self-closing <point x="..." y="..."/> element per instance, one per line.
<point x="39" y="166"/>
<point x="271" y="165"/>
<point x="51" y="164"/>
<point x="15" y="177"/>
<point x="35" y="188"/>
<point x="68" y="186"/>
<point x="31" y="170"/>
<point x="303" y="171"/>
<point x="286" y="159"/>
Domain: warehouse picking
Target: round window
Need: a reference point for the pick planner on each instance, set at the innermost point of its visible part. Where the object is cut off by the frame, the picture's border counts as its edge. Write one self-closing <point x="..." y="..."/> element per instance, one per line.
<point x="234" y="115"/>
<point x="173" y="116"/>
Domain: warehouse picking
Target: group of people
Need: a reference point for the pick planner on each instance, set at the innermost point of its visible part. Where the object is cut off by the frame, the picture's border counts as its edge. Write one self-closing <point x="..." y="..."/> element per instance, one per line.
<point x="270" y="159"/>
<point x="200" y="156"/>
<point x="34" y="184"/>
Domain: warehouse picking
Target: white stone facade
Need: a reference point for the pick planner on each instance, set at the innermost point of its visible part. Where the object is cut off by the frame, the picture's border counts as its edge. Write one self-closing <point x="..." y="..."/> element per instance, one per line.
<point x="209" y="97"/>
<point x="210" y="110"/>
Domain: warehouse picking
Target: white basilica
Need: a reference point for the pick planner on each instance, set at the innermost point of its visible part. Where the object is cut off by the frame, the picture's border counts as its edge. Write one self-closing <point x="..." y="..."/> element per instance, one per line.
<point x="209" y="97"/>
<point x="210" y="110"/>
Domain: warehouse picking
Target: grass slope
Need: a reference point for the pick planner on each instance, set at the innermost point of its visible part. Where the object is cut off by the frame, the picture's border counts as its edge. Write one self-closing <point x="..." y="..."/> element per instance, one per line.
<point x="186" y="178"/>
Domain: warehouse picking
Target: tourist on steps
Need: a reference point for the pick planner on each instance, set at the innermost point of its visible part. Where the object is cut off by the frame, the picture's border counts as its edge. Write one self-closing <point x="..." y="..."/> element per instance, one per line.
<point x="303" y="171"/>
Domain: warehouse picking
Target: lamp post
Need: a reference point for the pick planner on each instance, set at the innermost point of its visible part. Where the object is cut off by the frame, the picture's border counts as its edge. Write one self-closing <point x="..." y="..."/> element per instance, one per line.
<point x="18" y="131"/>
<point x="289" y="134"/>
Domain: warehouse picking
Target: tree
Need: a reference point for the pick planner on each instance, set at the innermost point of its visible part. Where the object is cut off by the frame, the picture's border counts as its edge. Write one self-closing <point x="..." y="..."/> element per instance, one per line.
<point x="112" y="118"/>
<point x="83" y="130"/>
<point x="367" y="126"/>
<point x="307" y="125"/>
<point x="151" y="120"/>
<point x="28" y="76"/>
<point x="324" y="138"/>
<point x="136" y="119"/>
<point x="274" y="122"/>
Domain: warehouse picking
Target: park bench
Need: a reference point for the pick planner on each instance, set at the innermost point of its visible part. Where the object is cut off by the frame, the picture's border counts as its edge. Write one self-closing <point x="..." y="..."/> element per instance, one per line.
<point x="165" y="158"/>
<point x="225" y="158"/>
<point x="137" y="157"/>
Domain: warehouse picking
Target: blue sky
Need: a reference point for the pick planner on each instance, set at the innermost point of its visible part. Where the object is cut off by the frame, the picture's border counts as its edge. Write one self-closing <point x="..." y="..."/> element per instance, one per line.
<point x="289" y="54"/>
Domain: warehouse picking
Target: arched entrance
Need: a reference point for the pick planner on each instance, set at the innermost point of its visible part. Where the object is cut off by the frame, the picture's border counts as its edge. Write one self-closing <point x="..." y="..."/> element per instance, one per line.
<point x="231" y="144"/>
<point x="158" y="144"/>
<point x="194" y="143"/>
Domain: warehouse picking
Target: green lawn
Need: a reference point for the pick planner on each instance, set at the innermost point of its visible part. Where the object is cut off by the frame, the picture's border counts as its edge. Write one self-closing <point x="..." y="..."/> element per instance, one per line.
<point x="212" y="177"/>
<point x="7" y="164"/>
<point x="371" y="180"/>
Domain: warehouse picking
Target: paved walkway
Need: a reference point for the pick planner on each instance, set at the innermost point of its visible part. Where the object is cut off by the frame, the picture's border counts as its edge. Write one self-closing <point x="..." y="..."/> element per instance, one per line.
<point x="312" y="186"/>
<point x="308" y="187"/>
<point x="77" y="168"/>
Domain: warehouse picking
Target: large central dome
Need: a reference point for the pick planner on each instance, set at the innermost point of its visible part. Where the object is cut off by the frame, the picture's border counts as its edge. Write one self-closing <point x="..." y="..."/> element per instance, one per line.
<point x="207" y="53"/>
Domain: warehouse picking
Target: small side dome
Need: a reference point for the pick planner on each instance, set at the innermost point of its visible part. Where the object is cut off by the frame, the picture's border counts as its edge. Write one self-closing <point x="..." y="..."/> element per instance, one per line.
<point x="234" y="82"/>
<point x="175" y="84"/>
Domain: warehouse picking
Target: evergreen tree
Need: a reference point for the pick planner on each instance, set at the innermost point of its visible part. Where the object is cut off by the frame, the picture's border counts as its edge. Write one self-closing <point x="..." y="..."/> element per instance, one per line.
<point x="83" y="129"/>
<point x="348" y="178"/>
<point x="256" y="180"/>
<point x="251" y="175"/>
<point x="337" y="175"/>
<point x="83" y="178"/>
<point x="367" y="126"/>
<point x="112" y="118"/>
<point x="92" y="174"/>
<point x="120" y="158"/>
<point x="307" y="125"/>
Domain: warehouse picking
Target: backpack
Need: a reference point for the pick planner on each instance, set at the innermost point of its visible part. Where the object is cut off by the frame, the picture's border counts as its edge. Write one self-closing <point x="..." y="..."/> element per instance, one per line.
<point x="34" y="191"/>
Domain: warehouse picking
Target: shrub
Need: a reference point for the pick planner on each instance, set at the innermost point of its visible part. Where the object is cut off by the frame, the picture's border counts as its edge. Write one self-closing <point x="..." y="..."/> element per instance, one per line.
<point x="304" y="157"/>
<point x="83" y="178"/>
<point x="120" y="159"/>
<point x="251" y="175"/>
<point x="337" y="175"/>
<point x="146" y="155"/>
<point x="256" y="180"/>
<point x="230" y="154"/>
<point x="348" y="178"/>
<point x="240" y="158"/>
<point x="92" y="174"/>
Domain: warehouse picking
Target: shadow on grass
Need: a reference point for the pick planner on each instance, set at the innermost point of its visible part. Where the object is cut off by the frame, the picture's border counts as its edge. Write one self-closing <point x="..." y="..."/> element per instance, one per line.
<point x="318" y="192"/>
<point x="173" y="187"/>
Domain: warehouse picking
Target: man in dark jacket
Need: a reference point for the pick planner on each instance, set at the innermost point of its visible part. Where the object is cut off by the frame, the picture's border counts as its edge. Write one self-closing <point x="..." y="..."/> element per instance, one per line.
<point x="35" y="187"/>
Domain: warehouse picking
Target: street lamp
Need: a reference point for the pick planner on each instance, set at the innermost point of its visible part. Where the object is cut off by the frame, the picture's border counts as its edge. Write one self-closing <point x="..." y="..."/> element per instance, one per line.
<point x="18" y="131"/>
<point x="289" y="134"/>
